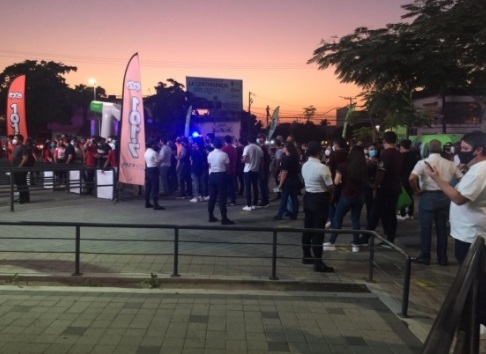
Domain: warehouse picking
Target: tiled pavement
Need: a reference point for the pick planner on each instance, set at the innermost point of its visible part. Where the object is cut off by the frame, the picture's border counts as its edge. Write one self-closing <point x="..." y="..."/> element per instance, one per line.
<point x="200" y="261"/>
<point x="137" y="322"/>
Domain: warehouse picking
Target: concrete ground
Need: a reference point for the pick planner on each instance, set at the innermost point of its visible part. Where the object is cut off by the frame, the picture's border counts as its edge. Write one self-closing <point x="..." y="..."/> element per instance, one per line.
<point x="244" y="312"/>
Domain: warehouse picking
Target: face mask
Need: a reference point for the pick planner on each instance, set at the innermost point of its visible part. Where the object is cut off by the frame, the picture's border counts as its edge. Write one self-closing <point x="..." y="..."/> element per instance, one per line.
<point x="327" y="152"/>
<point x="465" y="156"/>
<point x="112" y="145"/>
<point x="53" y="146"/>
<point x="453" y="150"/>
<point x="72" y="142"/>
<point x="14" y="141"/>
<point x="372" y="153"/>
<point x="333" y="148"/>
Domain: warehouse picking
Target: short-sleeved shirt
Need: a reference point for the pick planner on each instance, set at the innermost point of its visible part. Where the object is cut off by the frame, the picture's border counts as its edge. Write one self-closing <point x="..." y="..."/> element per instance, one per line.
<point x="317" y="176"/>
<point x="253" y="154"/>
<point x="217" y="161"/>
<point x="165" y="156"/>
<point x="290" y="163"/>
<point x="391" y="163"/>
<point x="469" y="220"/>
<point x="70" y="151"/>
<point x="19" y="152"/>
<point x="447" y="171"/>
<point x="230" y="150"/>
<point x="151" y="158"/>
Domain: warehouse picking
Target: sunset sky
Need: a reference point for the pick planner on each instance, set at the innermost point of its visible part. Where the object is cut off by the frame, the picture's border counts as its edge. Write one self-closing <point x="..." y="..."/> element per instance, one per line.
<point x="265" y="43"/>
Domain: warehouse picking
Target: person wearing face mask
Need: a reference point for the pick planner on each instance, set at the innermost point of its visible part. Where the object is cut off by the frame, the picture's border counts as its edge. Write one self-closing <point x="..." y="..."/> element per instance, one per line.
<point x="372" y="166"/>
<point x="433" y="204"/>
<point x="467" y="214"/>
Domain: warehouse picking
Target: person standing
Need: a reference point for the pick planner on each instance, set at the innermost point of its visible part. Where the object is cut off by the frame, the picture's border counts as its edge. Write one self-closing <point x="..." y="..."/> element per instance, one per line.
<point x="152" y="176"/>
<point x="338" y="156"/>
<point x="434" y="204"/>
<point x="20" y="158"/>
<point x="253" y="159"/>
<point x="410" y="159"/>
<point x="218" y="162"/>
<point x="230" y="150"/>
<point x="352" y="175"/>
<point x="276" y="164"/>
<point x="197" y="166"/>
<point x="386" y="189"/>
<point x="289" y="181"/>
<point x="165" y="156"/>
<point x="467" y="213"/>
<point x="184" y="169"/>
<point x="318" y="186"/>
<point x="264" y="174"/>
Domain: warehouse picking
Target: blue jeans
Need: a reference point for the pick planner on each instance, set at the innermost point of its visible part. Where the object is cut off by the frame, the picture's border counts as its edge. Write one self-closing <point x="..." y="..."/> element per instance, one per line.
<point x="433" y="208"/>
<point x="345" y="205"/>
<point x="289" y="190"/>
<point x="196" y="184"/>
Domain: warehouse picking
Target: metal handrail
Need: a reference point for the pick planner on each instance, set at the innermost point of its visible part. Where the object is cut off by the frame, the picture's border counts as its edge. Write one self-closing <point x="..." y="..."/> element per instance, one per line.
<point x="459" y="312"/>
<point x="176" y="228"/>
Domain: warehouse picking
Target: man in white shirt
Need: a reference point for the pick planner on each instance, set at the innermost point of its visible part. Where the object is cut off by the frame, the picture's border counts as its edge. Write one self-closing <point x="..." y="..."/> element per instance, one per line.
<point x="152" y="176"/>
<point x="253" y="159"/>
<point x="218" y="162"/>
<point x="468" y="207"/>
<point x="318" y="186"/>
<point x="434" y="204"/>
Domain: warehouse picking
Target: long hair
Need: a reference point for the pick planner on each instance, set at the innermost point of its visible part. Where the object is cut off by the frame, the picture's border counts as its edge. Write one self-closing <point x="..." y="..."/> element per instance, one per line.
<point x="358" y="172"/>
<point x="291" y="149"/>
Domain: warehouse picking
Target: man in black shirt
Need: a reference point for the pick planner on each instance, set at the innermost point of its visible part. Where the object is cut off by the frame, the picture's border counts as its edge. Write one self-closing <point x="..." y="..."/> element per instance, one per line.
<point x="410" y="158"/>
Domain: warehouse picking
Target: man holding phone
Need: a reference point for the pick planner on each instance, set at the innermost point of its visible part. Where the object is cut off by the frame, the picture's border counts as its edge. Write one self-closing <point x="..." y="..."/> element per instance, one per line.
<point x="433" y="204"/>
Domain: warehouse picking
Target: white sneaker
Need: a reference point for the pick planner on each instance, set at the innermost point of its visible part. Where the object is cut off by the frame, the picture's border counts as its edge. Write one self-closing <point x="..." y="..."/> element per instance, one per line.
<point x="194" y="200"/>
<point x="402" y="218"/>
<point x="206" y="198"/>
<point x="254" y="207"/>
<point x="328" y="246"/>
<point x="247" y="208"/>
<point x="354" y="248"/>
<point x="328" y="225"/>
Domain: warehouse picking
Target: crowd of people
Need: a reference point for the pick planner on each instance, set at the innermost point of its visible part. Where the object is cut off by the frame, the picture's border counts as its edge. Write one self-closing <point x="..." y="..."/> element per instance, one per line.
<point x="94" y="152"/>
<point x="334" y="179"/>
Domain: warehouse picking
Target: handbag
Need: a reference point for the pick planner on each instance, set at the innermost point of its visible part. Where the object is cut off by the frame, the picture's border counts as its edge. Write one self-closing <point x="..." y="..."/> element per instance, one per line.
<point x="404" y="200"/>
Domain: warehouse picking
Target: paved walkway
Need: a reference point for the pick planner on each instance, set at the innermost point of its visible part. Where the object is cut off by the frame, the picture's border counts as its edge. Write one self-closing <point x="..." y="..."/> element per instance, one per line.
<point x="218" y="261"/>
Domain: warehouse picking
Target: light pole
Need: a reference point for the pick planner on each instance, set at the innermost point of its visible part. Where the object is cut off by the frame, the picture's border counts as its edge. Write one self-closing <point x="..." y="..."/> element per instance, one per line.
<point x="92" y="82"/>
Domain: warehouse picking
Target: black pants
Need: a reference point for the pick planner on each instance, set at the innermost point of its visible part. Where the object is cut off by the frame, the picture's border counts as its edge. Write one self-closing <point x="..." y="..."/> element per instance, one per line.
<point x="218" y="185"/>
<point x="251" y="182"/>
<point x="20" y="179"/>
<point x="384" y="208"/>
<point x="411" y="207"/>
<point x="152" y="185"/>
<point x="461" y="249"/>
<point x="316" y="209"/>
<point x="89" y="177"/>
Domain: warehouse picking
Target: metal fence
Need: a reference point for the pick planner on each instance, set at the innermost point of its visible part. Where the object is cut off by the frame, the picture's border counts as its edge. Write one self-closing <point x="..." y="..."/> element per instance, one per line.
<point x="273" y="244"/>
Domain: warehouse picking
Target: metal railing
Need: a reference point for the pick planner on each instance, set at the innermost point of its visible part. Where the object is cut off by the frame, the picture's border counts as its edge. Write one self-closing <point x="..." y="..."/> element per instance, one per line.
<point x="274" y="231"/>
<point x="10" y="188"/>
<point x="459" y="315"/>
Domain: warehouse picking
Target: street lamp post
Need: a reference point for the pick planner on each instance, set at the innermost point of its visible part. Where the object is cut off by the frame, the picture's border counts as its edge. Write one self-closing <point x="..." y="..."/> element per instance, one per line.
<point x="92" y="82"/>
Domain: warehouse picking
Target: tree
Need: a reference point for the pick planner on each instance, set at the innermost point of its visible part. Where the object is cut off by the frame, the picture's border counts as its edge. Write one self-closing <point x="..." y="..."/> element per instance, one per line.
<point x="48" y="97"/>
<point x="169" y="108"/>
<point x="441" y="49"/>
<point x="309" y="112"/>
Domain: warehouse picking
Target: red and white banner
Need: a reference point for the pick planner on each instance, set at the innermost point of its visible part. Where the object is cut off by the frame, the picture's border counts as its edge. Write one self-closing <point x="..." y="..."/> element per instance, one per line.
<point x="132" y="136"/>
<point x="16" y="121"/>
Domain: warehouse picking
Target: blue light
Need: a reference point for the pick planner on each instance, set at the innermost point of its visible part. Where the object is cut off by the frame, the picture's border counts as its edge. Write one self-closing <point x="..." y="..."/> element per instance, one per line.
<point x="195" y="134"/>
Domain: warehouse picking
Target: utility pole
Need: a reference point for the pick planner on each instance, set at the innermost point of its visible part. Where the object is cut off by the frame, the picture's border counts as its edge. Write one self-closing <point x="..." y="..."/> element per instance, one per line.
<point x="250" y="101"/>
<point x="349" y="98"/>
